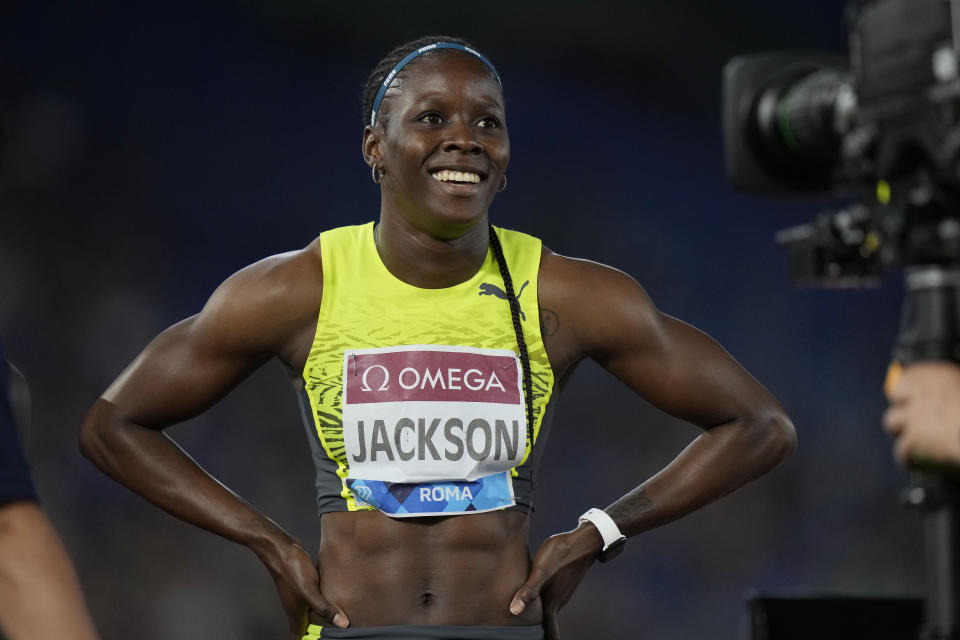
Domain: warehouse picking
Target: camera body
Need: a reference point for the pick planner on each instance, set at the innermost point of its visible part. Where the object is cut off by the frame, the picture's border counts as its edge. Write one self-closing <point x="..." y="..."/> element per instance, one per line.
<point x="882" y="130"/>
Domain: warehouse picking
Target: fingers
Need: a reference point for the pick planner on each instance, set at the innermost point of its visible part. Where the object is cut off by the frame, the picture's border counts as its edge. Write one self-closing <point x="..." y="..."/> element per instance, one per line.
<point x="896" y="419"/>
<point x="307" y="578"/>
<point x="529" y="590"/>
<point x="902" y="451"/>
<point x="317" y="611"/>
<point x="302" y="599"/>
<point x="527" y="593"/>
<point x="326" y="611"/>
<point x="893" y="419"/>
<point x="894" y="423"/>
<point x="549" y="559"/>
<point x="544" y="567"/>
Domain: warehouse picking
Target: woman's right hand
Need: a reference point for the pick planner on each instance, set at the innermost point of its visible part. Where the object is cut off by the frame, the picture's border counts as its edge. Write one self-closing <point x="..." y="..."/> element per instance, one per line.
<point x="264" y="311"/>
<point x="298" y="583"/>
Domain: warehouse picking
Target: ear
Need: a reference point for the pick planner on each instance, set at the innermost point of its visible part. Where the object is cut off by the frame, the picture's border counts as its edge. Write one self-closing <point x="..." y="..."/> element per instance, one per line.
<point x="370" y="148"/>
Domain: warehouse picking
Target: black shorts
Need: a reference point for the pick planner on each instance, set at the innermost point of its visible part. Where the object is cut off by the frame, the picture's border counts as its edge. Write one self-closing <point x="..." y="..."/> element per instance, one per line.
<point x="426" y="632"/>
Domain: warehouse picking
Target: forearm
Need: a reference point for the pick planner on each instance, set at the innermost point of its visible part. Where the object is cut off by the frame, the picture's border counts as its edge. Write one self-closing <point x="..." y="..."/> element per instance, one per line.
<point x="152" y="465"/>
<point x="715" y="464"/>
<point x="39" y="593"/>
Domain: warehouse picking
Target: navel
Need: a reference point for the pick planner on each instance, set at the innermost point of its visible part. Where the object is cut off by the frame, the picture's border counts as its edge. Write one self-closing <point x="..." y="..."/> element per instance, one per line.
<point x="428" y="596"/>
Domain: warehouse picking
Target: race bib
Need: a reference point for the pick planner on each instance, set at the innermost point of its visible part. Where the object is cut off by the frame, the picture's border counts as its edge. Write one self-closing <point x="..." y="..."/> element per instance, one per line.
<point x="433" y="429"/>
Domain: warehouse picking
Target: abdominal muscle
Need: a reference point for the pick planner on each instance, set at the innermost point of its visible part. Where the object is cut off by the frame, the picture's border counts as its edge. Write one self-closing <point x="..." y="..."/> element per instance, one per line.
<point x="453" y="570"/>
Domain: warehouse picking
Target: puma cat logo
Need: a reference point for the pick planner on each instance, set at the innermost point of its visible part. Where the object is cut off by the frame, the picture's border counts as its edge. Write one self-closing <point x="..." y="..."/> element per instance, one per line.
<point x="487" y="289"/>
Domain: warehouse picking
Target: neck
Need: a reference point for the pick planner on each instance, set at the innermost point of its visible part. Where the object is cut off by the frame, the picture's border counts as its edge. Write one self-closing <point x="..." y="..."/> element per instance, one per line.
<point x="427" y="261"/>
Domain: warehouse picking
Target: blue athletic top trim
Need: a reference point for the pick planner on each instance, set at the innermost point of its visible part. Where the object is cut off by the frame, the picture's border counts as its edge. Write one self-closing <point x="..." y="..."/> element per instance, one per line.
<point x="411" y="56"/>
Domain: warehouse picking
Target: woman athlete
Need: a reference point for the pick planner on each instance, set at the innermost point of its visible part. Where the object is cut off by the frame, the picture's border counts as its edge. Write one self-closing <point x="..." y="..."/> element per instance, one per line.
<point x="426" y="350"/>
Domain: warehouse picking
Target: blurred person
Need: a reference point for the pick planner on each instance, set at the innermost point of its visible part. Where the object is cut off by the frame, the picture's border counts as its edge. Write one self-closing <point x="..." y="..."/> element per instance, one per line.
<point x="427" y="350"/>
<point x="924" y="413"/>
<point x="40" y="596"/>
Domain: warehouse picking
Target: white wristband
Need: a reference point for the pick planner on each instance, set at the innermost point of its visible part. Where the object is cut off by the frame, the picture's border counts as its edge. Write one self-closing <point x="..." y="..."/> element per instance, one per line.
<point x="608" y="529"/>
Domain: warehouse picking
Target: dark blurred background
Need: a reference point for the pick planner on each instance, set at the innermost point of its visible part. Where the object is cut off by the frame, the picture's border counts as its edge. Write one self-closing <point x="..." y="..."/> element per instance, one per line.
<point x="155" y="148"/>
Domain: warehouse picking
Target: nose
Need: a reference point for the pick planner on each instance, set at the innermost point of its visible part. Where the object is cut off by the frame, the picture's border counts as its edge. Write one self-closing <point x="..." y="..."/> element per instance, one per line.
<point x="462" y="138"/>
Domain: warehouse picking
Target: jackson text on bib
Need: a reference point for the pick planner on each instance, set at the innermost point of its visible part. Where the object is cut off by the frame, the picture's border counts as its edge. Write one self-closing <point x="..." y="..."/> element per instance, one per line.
<point x="433" y="429"/>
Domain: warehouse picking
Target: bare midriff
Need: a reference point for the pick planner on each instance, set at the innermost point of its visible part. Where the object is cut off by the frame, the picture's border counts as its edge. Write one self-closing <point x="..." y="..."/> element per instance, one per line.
<point x="455" y="570"/>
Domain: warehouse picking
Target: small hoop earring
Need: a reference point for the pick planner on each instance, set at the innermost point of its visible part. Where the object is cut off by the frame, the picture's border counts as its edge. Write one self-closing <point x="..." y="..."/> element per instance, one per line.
<point x="504" y="185"/>
<point x="376" y="174"/>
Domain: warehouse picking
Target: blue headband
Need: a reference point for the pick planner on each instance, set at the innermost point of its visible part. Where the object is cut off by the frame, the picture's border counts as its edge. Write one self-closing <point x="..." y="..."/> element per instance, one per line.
<point x="419" y="52"/>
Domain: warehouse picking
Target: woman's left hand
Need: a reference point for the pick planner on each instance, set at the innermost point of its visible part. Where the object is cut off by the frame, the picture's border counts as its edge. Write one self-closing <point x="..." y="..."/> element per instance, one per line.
<point x="561" y="563"/>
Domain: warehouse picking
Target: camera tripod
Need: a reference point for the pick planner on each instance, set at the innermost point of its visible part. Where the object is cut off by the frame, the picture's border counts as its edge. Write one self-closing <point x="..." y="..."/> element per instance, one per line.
<point x="930" y="330"/>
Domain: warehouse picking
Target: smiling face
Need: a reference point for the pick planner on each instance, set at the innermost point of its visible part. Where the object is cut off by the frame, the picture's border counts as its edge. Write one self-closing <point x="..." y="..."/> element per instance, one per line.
<point x="441" y="141"/>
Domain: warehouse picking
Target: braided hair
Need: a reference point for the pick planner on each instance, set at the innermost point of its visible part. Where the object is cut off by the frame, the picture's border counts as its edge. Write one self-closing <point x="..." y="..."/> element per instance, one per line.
<point x="521" y="342"/>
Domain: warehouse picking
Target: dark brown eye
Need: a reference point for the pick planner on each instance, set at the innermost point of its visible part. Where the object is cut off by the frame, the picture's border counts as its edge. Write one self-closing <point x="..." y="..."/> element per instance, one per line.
<point x="431" y="118"/>
<point x="489" y="123"/>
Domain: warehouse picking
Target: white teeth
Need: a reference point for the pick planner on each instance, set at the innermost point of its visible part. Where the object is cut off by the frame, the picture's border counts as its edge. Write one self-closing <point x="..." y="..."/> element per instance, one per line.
<point x="456" y="176"/>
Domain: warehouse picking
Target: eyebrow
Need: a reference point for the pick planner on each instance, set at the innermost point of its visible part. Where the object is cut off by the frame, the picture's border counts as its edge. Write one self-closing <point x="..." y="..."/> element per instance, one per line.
<point x="433" y="98"/>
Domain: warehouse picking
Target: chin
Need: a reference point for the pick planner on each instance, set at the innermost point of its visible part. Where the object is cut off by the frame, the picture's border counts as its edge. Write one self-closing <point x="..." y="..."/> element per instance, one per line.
<point x="452" y="222"/>
<point x="458" y="210"/>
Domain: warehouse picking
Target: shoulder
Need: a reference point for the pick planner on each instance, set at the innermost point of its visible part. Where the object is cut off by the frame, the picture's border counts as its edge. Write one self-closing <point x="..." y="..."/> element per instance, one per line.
<point x="577" y="275"/>
<point x="274" y="278"/>
<point x="261" y="304"/>
<point x="593" y="310"/>
<point x="592" y="292"/>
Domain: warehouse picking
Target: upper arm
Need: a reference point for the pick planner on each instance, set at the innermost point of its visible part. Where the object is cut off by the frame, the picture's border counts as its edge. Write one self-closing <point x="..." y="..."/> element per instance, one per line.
<point x="254" y="315"/>
<point x="676" y="367"/>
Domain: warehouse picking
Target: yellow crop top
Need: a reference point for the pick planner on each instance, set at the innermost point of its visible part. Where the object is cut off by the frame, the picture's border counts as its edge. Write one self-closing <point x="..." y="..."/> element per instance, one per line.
<point x="413" y="398"/>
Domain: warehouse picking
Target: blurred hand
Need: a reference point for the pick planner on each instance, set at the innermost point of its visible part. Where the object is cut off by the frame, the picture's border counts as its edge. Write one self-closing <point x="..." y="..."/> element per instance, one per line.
<point x="298" y="582"/>
<point x="924" y="413"/>
<point x="559" y="566"/>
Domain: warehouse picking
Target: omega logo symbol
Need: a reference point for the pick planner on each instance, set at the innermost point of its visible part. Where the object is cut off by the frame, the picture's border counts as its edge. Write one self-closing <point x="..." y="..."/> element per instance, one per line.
<point x="384" y="386"/>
